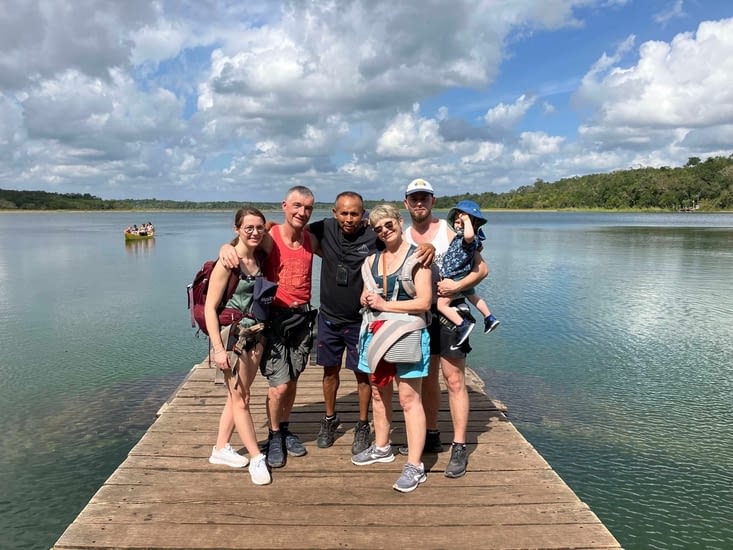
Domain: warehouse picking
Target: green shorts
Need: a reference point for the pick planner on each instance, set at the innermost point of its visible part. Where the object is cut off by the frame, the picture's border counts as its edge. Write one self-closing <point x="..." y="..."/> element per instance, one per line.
<point x="288" y="343"/>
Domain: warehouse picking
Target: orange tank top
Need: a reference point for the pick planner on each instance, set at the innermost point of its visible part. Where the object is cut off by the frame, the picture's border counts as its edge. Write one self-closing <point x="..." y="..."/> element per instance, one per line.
<point x="291" y="269"/>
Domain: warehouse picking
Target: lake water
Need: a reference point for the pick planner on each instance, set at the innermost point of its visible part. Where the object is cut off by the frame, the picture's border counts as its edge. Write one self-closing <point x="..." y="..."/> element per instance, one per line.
<point x="614" y="356"/>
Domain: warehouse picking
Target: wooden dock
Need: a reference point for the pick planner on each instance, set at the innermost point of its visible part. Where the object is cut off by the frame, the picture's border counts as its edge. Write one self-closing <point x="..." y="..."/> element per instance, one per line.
<point x="167" y="495"/>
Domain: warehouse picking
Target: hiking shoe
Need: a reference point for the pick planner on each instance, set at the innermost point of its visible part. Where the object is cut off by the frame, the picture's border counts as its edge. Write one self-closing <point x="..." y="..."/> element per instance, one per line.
<point x="462" y="332"/>
<point x="276" y="450"/>
<point x="458" y="461"/>
<point x="362" y="435"/>
<point x="411" y="477"/>
<point x="490" y="323"/>
<point x="432" y="444"/>
<point x="258" y="470"/>
<point x="228" y="457"/>
<point x="327" y="433"/>
<point x="373" y="454"/>
<point x="293" y="444"/>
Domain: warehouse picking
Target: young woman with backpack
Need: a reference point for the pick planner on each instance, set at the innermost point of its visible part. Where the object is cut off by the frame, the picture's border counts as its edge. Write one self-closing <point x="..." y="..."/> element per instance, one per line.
<point x="236" y="355"/>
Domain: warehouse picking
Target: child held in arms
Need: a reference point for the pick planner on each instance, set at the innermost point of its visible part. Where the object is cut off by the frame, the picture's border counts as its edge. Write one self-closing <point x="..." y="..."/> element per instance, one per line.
<point x="466" y="218"/>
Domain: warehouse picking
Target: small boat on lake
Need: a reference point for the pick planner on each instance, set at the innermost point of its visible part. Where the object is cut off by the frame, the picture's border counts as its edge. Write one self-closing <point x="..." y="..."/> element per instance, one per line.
<point x="135" y="233"/>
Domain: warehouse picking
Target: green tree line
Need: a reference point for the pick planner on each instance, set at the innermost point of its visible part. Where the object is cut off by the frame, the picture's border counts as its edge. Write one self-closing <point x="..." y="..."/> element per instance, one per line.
<point x="698" y="185"/>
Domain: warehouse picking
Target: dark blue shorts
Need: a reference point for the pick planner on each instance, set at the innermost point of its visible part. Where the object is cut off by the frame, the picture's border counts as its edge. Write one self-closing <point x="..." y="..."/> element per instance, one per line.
<point x="333" y="339"/>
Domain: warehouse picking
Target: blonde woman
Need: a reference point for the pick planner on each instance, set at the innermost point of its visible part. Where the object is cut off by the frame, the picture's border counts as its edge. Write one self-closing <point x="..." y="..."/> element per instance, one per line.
<point x="395" y="283"/>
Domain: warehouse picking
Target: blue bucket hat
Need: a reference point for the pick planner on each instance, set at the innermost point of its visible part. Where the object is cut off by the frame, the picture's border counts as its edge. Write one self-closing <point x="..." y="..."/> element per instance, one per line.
<point x="470" y="208"/>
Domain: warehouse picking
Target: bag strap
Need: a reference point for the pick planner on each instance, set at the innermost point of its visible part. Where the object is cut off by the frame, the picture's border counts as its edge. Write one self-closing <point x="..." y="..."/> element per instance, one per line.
<point x="232" y="283"/>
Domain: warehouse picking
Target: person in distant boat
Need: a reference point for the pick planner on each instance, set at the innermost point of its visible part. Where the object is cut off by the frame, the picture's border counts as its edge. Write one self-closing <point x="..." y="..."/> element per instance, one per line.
<point x="239" y="369"/>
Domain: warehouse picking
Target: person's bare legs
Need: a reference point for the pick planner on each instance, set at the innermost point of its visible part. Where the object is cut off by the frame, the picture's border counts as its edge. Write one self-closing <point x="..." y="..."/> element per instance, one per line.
<point x="454" y="374"/>
<point x="411" y="403"/>
<point x="242" y="416"/>
<point x="288" y="400"/>
<point x="431" y="393"/>
<point x="226" y="424"/>
<point x="275" y="400"/>
<point x="382" y="412"/>
<point x="331" y="384"/>
<point x="364" y="389"/>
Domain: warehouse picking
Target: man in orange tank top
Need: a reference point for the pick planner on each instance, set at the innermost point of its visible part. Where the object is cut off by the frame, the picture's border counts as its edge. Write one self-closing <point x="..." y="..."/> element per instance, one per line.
<point x="289" y="330"/>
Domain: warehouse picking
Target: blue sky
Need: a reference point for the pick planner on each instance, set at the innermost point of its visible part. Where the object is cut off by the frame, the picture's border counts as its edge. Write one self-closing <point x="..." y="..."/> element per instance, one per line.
<point x="214" y="100"/>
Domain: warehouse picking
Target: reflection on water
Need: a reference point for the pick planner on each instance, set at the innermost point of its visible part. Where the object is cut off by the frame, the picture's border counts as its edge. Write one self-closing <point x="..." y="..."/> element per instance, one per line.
<point x="614" y="356"/>
<point x="144" y="246"/>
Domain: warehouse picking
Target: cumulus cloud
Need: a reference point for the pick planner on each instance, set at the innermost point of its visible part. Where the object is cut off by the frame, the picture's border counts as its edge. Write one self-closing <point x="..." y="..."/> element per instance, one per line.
<point x="189" y="100"/>
<point x="675" y="88"/>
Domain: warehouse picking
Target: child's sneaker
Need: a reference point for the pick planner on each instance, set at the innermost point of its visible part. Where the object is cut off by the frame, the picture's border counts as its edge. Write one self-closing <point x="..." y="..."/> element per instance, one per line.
<point x="227" y="457"/>
<point x="462" y="332"/>
<point x="258" y="470"/>
<point x="490" y="323"/>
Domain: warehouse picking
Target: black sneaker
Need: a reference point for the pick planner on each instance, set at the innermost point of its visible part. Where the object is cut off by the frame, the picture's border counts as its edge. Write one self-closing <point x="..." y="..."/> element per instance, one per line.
<point x="490" y="323"/>
<point x="432" y="444"/>
<point x="462" y="332"/>
<point x="327" y="433"/>
<point x="276" y="450"/>
<point x="362" y="436"/>
<point x="293" y="445"/>
<point x="458" y="461"/>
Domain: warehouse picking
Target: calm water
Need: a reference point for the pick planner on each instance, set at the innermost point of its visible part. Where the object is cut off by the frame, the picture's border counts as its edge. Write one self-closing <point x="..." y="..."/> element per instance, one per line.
<point x="614" y="356"/>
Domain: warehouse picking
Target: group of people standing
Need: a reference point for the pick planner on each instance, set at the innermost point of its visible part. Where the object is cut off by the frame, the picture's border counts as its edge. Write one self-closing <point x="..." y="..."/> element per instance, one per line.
<point x="380" y="281"/>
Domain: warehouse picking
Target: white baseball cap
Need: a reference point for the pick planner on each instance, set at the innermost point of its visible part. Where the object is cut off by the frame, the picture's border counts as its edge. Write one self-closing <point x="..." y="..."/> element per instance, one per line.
<point x="419" y="185"/>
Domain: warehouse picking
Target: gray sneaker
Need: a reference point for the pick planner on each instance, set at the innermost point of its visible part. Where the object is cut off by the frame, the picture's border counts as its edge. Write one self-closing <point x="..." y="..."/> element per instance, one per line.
<point x="327" y="433"/>
<point x="458" y="461"/>
<point x="362" y="435"/>
<point x="293" y="444"/>
<point x="411" y="477"/>
<point x="373" y="454"/>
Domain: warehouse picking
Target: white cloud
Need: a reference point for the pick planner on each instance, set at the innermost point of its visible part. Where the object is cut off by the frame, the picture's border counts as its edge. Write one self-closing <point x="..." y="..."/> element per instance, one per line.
<point x="676" y="11"/>
<point x="685" y="84"/>
<point x="506" y="117"/>
<point x="178" y="100"/>
<point x="410" y="136"/>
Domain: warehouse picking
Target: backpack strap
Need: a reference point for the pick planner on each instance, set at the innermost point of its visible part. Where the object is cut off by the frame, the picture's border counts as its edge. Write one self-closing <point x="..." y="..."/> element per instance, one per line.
<point x="232" y="283"/>
<point x="404" y="279"/>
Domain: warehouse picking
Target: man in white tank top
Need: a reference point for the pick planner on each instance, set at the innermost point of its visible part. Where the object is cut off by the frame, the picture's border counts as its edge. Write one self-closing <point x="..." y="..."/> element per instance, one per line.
<point x="425" y="228"/>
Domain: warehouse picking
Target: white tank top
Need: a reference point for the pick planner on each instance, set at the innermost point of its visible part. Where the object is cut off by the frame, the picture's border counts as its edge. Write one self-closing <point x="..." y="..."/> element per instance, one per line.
<point x="441" y="241"/>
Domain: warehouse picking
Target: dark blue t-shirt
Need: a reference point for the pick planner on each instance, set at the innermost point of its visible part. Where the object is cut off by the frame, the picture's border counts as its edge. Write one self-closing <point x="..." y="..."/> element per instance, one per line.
<point x="339" y="302"/>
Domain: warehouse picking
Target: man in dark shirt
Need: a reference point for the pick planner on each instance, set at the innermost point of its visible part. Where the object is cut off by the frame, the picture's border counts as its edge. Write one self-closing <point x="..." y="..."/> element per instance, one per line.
<point x="344" y="241"/>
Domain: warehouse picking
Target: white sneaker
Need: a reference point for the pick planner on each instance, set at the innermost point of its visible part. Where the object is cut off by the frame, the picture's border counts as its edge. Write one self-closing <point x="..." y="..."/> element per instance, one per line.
<point x="258" y="470"/>
<point x="228" y="457"/>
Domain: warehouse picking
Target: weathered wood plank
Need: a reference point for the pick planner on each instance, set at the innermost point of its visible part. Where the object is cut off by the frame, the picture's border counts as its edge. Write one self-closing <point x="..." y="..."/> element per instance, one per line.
<point x="368" y="535"/>
<point x="167" y="495"/>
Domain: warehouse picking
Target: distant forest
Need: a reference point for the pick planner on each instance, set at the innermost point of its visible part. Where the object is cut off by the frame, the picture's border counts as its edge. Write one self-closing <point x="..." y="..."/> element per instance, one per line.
<point x="698" y="185"/>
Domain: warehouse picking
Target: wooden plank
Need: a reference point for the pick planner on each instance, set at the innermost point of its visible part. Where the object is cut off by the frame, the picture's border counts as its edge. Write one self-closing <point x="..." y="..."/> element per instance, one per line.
<point x="296" y="537"/>
<point x="167" y="495"/>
